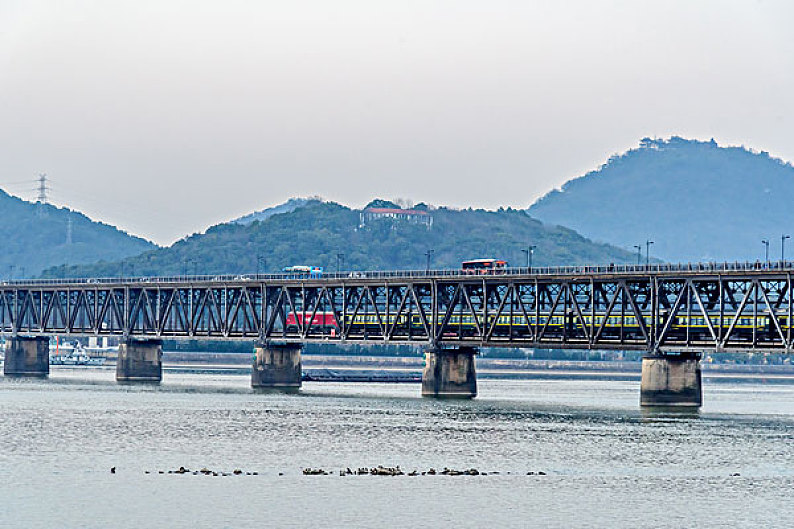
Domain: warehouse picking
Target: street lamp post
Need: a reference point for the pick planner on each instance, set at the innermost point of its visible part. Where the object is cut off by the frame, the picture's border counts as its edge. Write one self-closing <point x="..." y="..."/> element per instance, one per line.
<point x="783" y="247"/>
<point x="528" y="252"/>
<point x="428" y="254"/>
<point x="648" y="244"/>
<point x="765" y="242"/>
<point x="639" y="253"/>
<point x="340" y="258"/>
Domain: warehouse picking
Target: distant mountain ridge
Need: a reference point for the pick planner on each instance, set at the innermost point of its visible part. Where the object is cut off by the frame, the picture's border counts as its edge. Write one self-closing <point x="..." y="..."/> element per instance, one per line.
<point x="326" y="233"/>
<point x="696" y="200"/>
<point x="290" y="205"/>
<point x="37" y="236"/>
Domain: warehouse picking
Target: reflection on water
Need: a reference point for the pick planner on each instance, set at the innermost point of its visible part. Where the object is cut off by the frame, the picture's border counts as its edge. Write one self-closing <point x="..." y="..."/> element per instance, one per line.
<point x="607" y="461"/>
<point x="661" y="413"/>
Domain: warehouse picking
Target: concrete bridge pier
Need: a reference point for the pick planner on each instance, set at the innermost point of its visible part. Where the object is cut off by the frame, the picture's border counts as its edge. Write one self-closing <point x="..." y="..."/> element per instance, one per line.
<point x="671" y="380"/>
<point x="276" y="366"/>
<point x="27" y="356"/>
<point x="449" y="373"/>
<point x="140" y="361"/>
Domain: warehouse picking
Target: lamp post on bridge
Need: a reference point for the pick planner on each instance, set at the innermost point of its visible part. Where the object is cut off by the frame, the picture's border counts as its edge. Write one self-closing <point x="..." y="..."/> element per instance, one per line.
<point x="765" y="242"/>
<point x="648" y="244"/>
<point x="428" y="254"/>
<point x="639" y="253"/>
<point x="340" y="258"/>
<point x="188" y="262"/>
<point x="260" y="260"/>
<point x="528" y="252"/>
<point x="783" y="247"/>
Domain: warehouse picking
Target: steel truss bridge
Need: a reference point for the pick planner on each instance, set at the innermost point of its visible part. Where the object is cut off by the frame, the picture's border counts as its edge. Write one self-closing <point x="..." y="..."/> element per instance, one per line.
<point x="703" y="307"/>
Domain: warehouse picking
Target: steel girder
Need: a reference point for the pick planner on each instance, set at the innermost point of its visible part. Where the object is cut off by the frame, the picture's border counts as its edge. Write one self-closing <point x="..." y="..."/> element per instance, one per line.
<point x="654" y="312"/>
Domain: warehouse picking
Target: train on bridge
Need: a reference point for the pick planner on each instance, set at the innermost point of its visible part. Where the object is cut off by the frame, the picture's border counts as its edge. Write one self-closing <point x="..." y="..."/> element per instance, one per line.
<point x="516" y="326"/>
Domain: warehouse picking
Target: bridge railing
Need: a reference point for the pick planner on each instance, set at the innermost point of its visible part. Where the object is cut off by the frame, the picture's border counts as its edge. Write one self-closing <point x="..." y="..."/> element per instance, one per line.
<point x="715" y="267"/>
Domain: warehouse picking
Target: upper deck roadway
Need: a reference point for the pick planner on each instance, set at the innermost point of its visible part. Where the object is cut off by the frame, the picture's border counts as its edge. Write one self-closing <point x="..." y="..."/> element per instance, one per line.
<point x="700" y="307"/>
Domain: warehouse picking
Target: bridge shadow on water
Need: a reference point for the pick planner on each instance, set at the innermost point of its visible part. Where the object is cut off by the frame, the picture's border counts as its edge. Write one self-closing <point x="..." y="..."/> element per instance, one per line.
<point x="652" y="414"/>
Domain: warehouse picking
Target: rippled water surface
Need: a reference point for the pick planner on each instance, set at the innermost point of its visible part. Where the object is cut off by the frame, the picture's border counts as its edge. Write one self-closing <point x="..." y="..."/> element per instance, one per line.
<point x="607" y="463"/>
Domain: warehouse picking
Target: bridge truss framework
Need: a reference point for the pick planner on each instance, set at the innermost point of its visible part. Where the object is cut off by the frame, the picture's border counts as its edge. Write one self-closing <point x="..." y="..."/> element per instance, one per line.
<point x="740" y="311"/>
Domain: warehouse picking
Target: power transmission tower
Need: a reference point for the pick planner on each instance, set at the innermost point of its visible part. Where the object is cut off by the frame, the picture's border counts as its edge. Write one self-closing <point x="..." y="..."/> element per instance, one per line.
<point x="69" y="230"/>
<point x="41" y="200"/>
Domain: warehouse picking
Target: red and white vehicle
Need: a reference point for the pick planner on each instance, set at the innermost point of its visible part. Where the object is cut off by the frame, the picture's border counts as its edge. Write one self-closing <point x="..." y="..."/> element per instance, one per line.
<point x="485" y="266"/>
<point x="325" y="319"/>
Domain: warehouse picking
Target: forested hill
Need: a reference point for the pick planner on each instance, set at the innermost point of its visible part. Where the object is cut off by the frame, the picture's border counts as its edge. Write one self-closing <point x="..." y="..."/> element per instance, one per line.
<point x="695" y="200"/>
<point x="315" y="233"/>
<point x="34" y="237"/>
<point x="286" y="207"/>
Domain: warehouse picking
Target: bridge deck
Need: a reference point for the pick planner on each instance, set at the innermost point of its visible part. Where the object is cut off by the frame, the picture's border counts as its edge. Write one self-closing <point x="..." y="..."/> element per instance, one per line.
<point x="702" y="306"/>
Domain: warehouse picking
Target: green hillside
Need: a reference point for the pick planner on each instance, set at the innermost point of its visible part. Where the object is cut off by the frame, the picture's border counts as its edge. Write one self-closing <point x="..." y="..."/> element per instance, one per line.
<point x="695" y="200"/>
<point x="315" y="233"/>
<point x="34" y="237"/>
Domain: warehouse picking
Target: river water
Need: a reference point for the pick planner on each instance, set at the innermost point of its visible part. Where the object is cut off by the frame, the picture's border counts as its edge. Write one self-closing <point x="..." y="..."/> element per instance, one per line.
<point x="607" y="463"/>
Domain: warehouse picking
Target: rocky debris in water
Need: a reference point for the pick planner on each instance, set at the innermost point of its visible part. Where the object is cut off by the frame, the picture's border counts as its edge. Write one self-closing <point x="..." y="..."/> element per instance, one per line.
<point x="469" y="472"/>
<point x="206" y="472"/>
<point x="386" y="471"/>
<point x="381" y="470"/>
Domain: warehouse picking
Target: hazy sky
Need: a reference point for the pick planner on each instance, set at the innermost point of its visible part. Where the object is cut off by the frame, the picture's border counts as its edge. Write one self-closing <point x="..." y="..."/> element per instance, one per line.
<point x="164" y="117"/>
